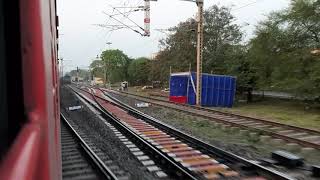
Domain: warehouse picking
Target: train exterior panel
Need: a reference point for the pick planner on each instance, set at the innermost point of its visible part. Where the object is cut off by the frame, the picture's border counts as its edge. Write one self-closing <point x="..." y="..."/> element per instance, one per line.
<point x="217" y="90"/>
<point x="34" y="153"/>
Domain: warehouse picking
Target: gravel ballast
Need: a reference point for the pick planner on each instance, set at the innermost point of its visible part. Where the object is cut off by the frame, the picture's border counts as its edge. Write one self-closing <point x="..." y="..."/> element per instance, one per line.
<point x="102" y="136"/>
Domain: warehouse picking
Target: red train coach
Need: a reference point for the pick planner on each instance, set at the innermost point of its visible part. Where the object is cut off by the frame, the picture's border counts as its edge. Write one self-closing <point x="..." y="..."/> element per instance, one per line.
<point x="29" y="93"/>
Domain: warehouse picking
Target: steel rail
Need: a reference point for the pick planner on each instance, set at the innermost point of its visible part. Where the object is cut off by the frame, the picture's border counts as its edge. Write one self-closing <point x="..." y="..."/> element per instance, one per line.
<point x="264" y="131"/>
<point x="201" y="145"/>
<point x="175" y="169"/>
<point x="313" y="131"/>
<point x="108" y="174"/>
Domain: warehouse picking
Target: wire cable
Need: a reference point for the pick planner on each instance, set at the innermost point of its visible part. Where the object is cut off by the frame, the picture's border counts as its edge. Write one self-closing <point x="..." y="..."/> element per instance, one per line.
<point x="128" y="18"/>
<point x="246" y="5"/>
<point x="123" y="24"/>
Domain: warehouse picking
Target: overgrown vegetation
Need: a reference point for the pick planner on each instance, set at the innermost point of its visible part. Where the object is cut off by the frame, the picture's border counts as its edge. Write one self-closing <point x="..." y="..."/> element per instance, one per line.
<point x="281" y="51"/>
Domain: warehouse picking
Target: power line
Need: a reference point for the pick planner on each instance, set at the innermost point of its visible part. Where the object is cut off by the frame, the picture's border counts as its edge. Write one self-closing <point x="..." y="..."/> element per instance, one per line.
<point x="126" y="13"/>
<point x="246" y="5"/>
<point x="123" y="24"/>
<point x="128" y="18"/>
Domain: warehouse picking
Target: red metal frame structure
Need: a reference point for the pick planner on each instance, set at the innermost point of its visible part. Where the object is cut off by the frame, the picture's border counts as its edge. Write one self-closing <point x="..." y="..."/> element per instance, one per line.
<point x="35" y="152"/>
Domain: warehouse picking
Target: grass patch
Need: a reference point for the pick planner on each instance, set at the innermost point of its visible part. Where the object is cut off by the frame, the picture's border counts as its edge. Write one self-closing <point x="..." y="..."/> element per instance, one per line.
<point x="289" y="112"/>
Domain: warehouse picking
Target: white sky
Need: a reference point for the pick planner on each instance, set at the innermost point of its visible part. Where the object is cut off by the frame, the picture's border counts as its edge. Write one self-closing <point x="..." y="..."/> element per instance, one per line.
<point x="81" y="41"/>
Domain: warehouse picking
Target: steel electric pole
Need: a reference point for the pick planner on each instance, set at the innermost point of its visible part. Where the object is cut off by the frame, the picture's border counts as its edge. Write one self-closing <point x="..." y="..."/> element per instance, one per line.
<point x="147" y="17"/>
<point x="199" y="50"/>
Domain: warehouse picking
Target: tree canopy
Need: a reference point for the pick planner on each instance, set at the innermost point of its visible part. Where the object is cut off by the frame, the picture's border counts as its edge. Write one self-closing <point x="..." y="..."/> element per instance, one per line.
<point x="138" y="71"/>
<point x="222" y="53"/>
<point x="97" y="68"/>
<point x="281" y="49"/>
<point x="117" y="64"/>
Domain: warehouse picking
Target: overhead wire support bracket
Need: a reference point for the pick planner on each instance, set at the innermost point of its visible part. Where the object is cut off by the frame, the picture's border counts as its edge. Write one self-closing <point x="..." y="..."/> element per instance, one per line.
<point x="126" y="16"/>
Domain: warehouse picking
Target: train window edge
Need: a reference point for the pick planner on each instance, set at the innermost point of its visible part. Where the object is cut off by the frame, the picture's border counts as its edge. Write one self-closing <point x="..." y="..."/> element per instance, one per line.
<point x="11" y="80"/>
<point x="3" y="82"/>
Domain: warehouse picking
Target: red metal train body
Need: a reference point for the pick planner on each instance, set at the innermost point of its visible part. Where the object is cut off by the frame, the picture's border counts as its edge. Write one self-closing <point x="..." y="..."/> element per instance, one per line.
<point x="29" y="95"/>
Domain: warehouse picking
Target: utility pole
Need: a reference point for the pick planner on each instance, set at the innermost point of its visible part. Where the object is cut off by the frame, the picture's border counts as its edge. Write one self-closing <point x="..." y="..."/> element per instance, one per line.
<point x="105" y="73"/>
<point x="62" y="71"/>
<point x="104" y="70"/>
<point x="146" y="17"/>
<point x="61" y="66"/>
<point x="105" y="66"/>
<point x="77" y="75"/>
<point x="199" y="50"/>
<point x="61" y="60"/>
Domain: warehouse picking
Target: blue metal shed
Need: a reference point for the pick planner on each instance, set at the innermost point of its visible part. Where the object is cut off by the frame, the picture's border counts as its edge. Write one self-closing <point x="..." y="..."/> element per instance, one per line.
<point x="217" y="90"/>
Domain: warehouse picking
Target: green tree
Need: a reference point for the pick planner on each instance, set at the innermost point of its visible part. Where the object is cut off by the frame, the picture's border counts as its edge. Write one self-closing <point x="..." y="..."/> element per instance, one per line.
<point x="221" y="45"/>
<point x="117" y="64"/>
<point x="97" y="68"/>
<point x="281" y="49"/>
<point x="221" y="39"/>
<point x="139" y="70"/>
<point x="179" y="49"/>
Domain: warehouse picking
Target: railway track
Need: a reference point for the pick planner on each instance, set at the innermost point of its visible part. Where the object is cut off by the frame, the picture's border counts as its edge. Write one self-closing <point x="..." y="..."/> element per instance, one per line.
<point x="292" y="134"/>
<point x="81" y="160"/>
<point x="179" y="155"/>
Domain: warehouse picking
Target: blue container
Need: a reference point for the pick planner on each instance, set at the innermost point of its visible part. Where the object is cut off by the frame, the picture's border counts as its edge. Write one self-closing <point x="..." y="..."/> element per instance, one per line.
<point x="217" y="90"/>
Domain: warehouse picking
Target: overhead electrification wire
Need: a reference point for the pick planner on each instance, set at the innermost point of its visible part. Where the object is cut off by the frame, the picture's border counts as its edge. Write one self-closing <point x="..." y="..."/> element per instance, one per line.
<point x="246" y="5"/>
<point x="127" y="18"/>
<point x="126" y="13"/>
<point x="123" y="24"/>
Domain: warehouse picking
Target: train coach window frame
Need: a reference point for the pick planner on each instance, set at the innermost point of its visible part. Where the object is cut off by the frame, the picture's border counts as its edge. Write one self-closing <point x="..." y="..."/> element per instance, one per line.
<point x="3" y="82"/>
<point x="12" y="116"/>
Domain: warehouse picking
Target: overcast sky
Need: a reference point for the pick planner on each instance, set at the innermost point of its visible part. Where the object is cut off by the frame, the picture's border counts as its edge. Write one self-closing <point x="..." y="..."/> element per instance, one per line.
<point x="81" y="40"/>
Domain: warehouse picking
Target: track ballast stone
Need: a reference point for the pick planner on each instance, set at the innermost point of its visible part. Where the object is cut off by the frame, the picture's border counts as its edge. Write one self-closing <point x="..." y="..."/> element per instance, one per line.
<point x="103" y="137"/>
